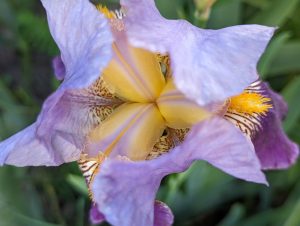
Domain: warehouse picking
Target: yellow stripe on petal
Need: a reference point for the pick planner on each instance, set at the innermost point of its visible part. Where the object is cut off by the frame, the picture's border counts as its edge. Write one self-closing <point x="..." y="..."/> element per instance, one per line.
<point x="134" y="74"/>
<point x="132" y="130"/>
<point x="148" y="67"/>
<point x="120" y="82"/>
<point x="179" y="111"/>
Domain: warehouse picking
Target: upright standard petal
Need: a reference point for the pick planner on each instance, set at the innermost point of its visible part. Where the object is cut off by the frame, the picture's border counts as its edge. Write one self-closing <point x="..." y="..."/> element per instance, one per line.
<point x="125" y="191"/>
<point x="205" y="63"/>
<point x="84" y="39"/>
<point x="274" y="149"/>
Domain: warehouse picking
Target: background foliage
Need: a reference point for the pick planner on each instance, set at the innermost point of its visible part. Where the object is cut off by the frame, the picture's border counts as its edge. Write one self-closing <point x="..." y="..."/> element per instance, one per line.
<point x="201" y="196"/>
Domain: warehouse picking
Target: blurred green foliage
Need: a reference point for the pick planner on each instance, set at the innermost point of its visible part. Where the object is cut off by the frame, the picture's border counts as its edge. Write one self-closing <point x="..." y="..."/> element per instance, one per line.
<point x="202" y="195"/>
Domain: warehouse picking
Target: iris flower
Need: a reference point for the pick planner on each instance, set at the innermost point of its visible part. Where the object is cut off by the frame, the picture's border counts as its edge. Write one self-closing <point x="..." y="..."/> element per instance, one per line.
<point x="143" y="97"/>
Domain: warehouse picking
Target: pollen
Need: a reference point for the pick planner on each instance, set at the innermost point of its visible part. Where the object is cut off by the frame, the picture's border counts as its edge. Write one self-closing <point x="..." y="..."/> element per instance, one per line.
<point x="250" y="103"/>
<point x="106" y="12"/>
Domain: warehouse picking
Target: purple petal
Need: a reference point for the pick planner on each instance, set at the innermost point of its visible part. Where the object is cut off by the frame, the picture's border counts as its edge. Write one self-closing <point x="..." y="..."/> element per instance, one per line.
<point x="125" y="191"/>
<point x="208" y="65"/>
<point x="95" y="216"/>
<point x="59" y="68"/>
<point x="83" y="37"/>
<point x="163" y="215"/>
<point x="273" y="147"/>
<point x="24" y="149"/>
<point x="67" y="120"/>
<point x="225" y="148"/>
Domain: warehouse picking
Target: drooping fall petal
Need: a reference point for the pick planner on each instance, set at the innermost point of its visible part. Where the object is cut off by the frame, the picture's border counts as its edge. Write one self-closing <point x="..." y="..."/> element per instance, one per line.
<point x="25" y="149"/>
<point x="125" y="190"/>
<point x="274" y="149"/>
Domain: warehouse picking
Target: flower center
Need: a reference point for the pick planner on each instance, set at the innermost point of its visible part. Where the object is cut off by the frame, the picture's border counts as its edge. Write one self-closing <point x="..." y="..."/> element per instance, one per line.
<point x="151" y="116"/>
<point x="151" y="105"/>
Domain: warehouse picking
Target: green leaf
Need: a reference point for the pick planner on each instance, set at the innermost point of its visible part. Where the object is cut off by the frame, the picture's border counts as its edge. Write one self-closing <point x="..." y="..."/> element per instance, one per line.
<point x="35" y="32"/>
<point x="236" y="212"/>
<point x="18" y="199"/>
<point x="276" y="14"/>
<point x="11" y="217"/>
<point x="7" y="15"/>
<point x="199" y="189"/>
<point x="13" y="116"/>
<point x="107" y="3"/>
<point x="272" y="217"/>
<point x="225" y="13"/>
<point x="291" y="94"/>
<point x="78" y="183"/>
<point x="265" y="63"/>
<point x="262" y="4"/>
<point x="287" y="61"/>
<point x="294" y="217"/>
<point x="295" y="133"/>
<point x="5" y="94"/>
<point x="80" y="212"/>
<point x="166" y="10"/>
